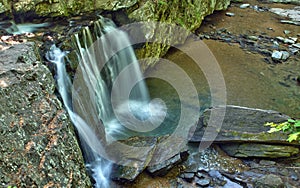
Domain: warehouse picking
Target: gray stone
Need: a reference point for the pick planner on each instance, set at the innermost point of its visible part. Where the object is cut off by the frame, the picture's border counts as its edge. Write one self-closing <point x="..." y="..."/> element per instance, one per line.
<point x="286" y="32"/>
<point x="281" y="39"/>
<point x="245" y="5"/>
<point x="289" y="41"/>
<point x="241" y="124"/>
<point x="285" y="55"/>
<point x="189" y="176"/>
<point x="296" y="2"/>
<point x="269" y="181"/>
<point x="230" y="14"/>
<point x="163" y="168"/>
<point x="38" y="143"/>
<point x="276" y="55"/>
<point x="202" y="182"/>
<point x="297" y="45"/>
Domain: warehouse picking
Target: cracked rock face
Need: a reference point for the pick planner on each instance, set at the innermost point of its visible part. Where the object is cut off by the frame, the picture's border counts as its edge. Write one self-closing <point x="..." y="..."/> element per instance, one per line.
<point x="38" y="144"/>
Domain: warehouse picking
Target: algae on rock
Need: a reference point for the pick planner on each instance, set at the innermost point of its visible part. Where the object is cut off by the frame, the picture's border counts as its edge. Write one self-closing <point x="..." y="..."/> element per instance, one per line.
<point x="187" y="14"/>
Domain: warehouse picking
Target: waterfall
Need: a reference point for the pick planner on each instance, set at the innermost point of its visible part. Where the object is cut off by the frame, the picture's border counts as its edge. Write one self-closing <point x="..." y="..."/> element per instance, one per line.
<point x="108" y="98"/>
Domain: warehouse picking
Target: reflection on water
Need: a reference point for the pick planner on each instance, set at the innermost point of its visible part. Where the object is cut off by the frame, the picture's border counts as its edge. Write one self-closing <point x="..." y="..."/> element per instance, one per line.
<point x="249" y="80"/>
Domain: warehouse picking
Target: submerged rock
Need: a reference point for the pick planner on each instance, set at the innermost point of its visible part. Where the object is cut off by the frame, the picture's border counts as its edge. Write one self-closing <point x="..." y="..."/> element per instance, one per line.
<point x="269" y="181"/>
<point x="38" y="143"/>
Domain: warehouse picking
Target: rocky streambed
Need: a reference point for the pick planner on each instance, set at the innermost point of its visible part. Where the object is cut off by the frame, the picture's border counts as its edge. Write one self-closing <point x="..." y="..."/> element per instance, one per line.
<point x="258" y="74"/>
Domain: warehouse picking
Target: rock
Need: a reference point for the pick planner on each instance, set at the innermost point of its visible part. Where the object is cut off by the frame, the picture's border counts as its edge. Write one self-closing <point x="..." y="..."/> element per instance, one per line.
<point x="289" y="41"/>
<point x="259" y="150"/>
<point x="281" y="39"/>
<point x="188" y="15"/>
<point x="296" y="2"/>
<point x="289" y="22"/>
<point x="133" y="161"/>
<point x="251" y="37"/>
<point x="285" y="55"/>
<point x="297" y="45"/>
<point x="276" y="55"/>
<point x="292" y="14"/>
<point x="245" y="5"/>
<point x="188" y="176"/>
<point x="269" y="181"/>
<point x="38" y="142"/>
<point x="230" y="14"/>
<point x="164" y="167"/>
<point x="293" y="39"/>
<point x="202" y="182"/>
<point x="267" y="162"/>
<point x="286" y="32"/>
<point x="241" y="124"/>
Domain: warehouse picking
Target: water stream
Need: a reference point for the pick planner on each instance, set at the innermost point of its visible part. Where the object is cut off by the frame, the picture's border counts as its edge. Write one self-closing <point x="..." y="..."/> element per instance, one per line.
<point x="108" y="99"/>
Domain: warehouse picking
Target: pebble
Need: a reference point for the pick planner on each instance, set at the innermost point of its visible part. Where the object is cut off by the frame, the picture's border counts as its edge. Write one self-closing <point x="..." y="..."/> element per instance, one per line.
<point x="245" y="5"/>
<point x="276" y="55"/>
<point x="202" y="182"/>
<point x="230" y="14"/>
<point x="297" y="45"/>
<point x="285" y="55"/>
<point x="286" y="32"/>
<point x="289" y="41"/>
<point x="281" y="39"/>
<point x="294" y="39"/>
<point x="253" y="38"/>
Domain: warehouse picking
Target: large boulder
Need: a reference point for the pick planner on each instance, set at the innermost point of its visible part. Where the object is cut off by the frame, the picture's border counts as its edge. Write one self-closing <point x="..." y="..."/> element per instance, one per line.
<point x="243" y="133"/>
<point x="38" y="144"/>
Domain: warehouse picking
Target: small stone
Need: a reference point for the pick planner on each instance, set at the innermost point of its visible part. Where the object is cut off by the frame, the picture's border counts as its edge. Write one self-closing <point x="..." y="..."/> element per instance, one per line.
<point x="270" y="28"/>
<point x="289" y="41"/>
<point x="202" y="182"/>
<point x="285" y="55"/>
<point x="286" y="32"/>
<point x="293" y="50"/>
<point x="281" y="39"/>
<point x="215" y="174"/>
<point x="267" y="162"/>
<point x="230" y="14"/>
<point x="276" y="55"/>
<point x="293" y="39"/>
<point x="253" y="38"/>
<point x="245" y="5"/>
<point x="297" y="45"/>
<point x="188" y="176"/>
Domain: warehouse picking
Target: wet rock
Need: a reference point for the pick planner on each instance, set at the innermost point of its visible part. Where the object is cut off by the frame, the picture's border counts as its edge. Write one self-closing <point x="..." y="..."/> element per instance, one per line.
<point x="133" y="161"/>
<point x="188" y="176"/>
<point x="269" y="181"/>
<point x="259" y="150"/>
<point x="241" y="124"/>
<point x="245" y="5"/>
<point x="267" y="162"/>
<point x="230" y="14"/>
<point x="202" y="182"/>
<point x="38" y="143"/>
<point x="163" y="168"/>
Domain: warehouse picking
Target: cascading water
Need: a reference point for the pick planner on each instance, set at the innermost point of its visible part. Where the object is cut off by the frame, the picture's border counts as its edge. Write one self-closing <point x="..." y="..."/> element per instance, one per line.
<point x="108" y="98"/>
